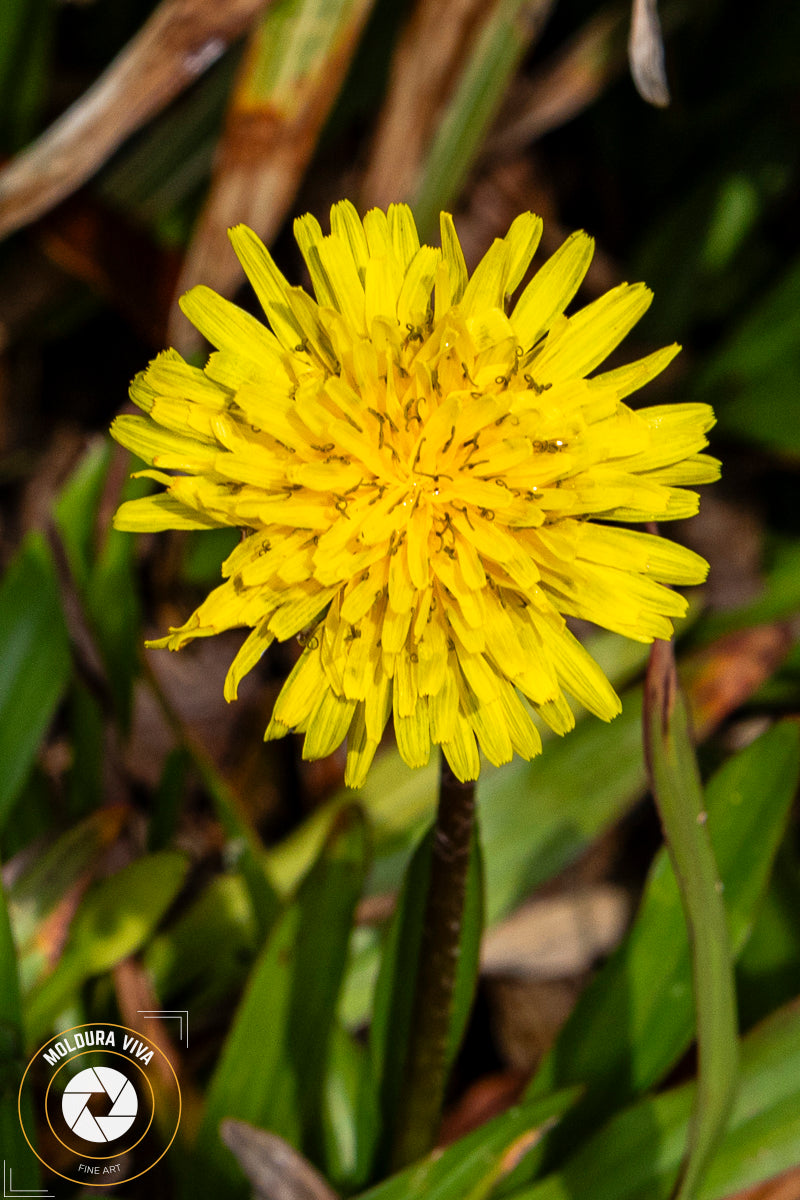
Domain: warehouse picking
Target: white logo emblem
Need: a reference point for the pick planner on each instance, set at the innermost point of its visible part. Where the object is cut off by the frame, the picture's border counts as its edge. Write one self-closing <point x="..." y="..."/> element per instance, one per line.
<point x="121" y="1095"/>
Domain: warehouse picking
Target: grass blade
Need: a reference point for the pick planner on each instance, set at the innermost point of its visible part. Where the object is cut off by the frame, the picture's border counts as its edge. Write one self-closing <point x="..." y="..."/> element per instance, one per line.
<point x="507" y="34"/>
<point x="271" y="1070"/>
<point x="637" y="1155"/>
<point x="177" y="43"/>
<point x="295" y="62"/>
<point x="34" y="663"/>
<point x="15" y="1148"/>
<point x="471" y="1167"/>
<point x="635" y="1020"/>
<point x="678" y="794"/>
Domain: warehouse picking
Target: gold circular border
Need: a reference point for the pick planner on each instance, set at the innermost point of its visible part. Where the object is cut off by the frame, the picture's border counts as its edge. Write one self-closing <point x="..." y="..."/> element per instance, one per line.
<point x="100" y="1157"/>
<point x="87" y="1025"/>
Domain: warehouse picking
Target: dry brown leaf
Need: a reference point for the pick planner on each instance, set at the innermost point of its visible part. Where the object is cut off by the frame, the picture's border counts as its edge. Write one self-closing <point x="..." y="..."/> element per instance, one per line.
<point x="432" y="47"/>
<point x="785" y="1187"/>
<point x="646" y="53"/>
<point x="52" y="932"/>
<point x="563" y="87"/>
<point x="557" y="936"/>
<point x="177" y="44"/>
<point x="527" y="1015"/>
<point x="275" y="1169"/>
<point x="486" y="1098"/>
<point x="135" y="997"/>
<point x="722" y="676"/>
<point x="261" y="160"/>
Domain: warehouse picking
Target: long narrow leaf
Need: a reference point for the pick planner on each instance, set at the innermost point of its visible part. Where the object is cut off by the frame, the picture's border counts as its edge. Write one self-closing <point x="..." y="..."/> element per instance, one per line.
<point x="637" y="1155"/>
<point x="177" y="43"/>
<point x="34" y="663"/>
<point x="471" y="1167"/>
<point x="15" y="1148"/>
<point x="636" y="1018"/>
<point x="677" y="790"/>
<point x="115" y="918"/>
<point x="272" y="1068"/>
<point x="295" y="62"/>
<point x="505" y="37"/>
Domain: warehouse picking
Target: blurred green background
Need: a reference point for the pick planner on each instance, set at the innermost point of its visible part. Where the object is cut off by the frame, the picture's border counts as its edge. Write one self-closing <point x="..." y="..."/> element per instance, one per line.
<point x="156" y="853"/>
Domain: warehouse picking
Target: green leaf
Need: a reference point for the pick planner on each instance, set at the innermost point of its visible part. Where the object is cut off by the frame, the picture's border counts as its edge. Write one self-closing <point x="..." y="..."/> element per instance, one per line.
<point x="752" y="378"/>
<point x="394" y="994"/>
<point x="768" y="972"/>
<point x="203" y="957"/>
<point x="112" y="602"/>
<point x="49" y="878"/>
<point x="679" y="796"/>
<point x="168" y="798"/>
<point x="243" y="839"/>
<point x="103" y="569"/>
<point x="87" y="721"/>
<point x="637" y="1155"/>
<point x="272" y="1067"/>
<point x="537" y="817"/>
<point x="471" y="1167"/>
<point x="202" y="554"/>
<point x="115" y="918"/>
<point x="351" y="1120"/>
<point x="15" y="1148"/>
<point x="499" y="46"/>
<point x="636" y="1018"/>
<point x="26" y="34"/>
<point x="75" y="509"/>
<point x="34" y="663"/>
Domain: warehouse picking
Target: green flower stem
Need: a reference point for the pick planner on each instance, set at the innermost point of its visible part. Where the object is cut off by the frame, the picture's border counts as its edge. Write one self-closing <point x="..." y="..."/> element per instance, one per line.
<point x="422" y="1096"/>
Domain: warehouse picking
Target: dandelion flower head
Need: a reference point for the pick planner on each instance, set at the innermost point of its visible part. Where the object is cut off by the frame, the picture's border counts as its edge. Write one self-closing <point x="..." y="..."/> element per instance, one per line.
<point x="430" y="479"/>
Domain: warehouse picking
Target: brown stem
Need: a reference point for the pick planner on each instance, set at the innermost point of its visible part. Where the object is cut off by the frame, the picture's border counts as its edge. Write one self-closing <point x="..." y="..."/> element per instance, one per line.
<point x="422" y="1096"/>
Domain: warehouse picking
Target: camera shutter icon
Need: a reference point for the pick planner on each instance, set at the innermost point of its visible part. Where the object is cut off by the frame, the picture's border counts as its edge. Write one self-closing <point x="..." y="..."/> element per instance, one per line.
<point x="123" y="1104"/>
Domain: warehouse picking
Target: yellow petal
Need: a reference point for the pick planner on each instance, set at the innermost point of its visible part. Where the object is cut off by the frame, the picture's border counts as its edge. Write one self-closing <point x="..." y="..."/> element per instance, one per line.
<point x="328" y="724"/>
<point x="453" y="257"/>
<point x="590" y="336"/>
<point x="415" y="293"/>
<point x="302" y="689"/>
<point x="248" y="655"/>
<point x="522" y="239"/>
<point x="227" y="326"/>
<point x="382" y="282"/>
<point x="347" y="226"/>
<point x="552" y="288"/>
<point x="634" y="375"/>
<point x="151" y="514"/>
<point x="633" y="550"/>
<point x="343" y="282"/>
<point x="161" y="447"/>
<point x="360" y="750"/>
<point x="403" y="232"/>
<point x="269" y="284"/>
<point x="412" y="734"/>
<point x="461" y="751"/>
<point x="487" y="287"/>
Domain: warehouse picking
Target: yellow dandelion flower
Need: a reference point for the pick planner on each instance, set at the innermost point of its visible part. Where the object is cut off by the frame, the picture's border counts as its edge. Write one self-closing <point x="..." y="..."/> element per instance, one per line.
<point x="429" y="480"/>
